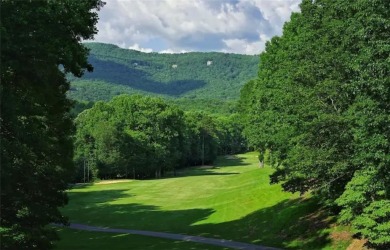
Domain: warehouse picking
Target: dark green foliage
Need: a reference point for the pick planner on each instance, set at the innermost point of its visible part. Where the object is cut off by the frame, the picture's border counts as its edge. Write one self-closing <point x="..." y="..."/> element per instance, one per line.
<point x="201" y="139"/>
<point x="229" y="130"/>
<point x="118" y="71"/>
<point x="142" y="137"/>
<point x="367" y="207"/>
<point x="79" y="106"/>
<point x="36" y="148"/>
<point x="212" y="106"/>
<point x="321" y="106"/>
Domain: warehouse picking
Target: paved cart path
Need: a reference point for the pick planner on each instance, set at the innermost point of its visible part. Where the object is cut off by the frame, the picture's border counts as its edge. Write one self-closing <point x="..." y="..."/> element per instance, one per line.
<point x="182" y="237"/>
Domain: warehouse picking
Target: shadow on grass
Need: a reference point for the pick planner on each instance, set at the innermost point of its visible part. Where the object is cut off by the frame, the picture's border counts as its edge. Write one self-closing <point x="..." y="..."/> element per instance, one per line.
<point x="231" y="161"/>
<point x="79" y="185"/>
<point x="92" y="198"/>
<point x="144" y="217"/>
<point x="292" y="224"/>
<point x="199" y="171"/>
<point x="75" y="239"/>
<point x="100" y="208"/>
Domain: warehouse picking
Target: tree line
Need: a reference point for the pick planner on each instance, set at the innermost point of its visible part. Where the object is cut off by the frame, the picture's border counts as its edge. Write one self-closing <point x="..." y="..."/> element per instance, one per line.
<point x="321" y="106"/>
<point x="212" y="106"/>
<point x="143" y="137"/>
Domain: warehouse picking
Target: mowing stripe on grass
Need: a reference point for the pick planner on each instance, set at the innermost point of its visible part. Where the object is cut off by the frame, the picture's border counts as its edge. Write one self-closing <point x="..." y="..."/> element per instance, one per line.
<point x="182" y="237"/>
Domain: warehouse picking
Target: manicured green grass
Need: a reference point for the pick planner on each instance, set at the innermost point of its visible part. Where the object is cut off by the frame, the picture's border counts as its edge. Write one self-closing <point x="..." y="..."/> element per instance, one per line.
<point x="232" y="201"/>
<point x="74" y="239"/>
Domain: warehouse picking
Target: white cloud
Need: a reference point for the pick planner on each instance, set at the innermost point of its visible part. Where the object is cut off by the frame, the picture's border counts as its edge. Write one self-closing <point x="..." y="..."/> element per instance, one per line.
<point x="243" y="47"/>
<point x="137" y="47"/>
<point x="193" y="25"/>
<point x="173" y="51"/>
<point x="276" y="11"/>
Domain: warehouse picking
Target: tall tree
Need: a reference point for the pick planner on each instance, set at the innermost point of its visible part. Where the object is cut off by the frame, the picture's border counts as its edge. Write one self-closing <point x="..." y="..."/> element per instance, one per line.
<point x="40" y="43"/>
<point x="201" y="138"/>
<point x="131" y="136"/>
<point x="321" y="105"/>
<point x="230" y="138"/>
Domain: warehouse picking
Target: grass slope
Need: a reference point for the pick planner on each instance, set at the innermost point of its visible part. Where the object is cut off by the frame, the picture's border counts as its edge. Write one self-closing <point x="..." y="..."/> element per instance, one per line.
<point x="232" y="201"/>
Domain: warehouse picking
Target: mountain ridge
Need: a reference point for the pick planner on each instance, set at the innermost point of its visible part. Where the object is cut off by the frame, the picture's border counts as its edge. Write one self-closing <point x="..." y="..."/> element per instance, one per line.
<point x="195" y="75"/>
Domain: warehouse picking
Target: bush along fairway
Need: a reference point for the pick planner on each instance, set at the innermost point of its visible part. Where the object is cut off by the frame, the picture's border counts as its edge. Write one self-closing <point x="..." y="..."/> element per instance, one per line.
<point x="231" y="200"/>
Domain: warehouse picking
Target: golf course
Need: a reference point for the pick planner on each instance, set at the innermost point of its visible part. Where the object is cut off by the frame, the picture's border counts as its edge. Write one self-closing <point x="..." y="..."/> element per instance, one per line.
<point x="231" y="200"/>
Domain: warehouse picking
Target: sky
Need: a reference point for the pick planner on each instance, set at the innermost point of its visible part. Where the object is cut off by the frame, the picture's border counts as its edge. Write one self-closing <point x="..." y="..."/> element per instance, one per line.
<point x="177" y="26"/>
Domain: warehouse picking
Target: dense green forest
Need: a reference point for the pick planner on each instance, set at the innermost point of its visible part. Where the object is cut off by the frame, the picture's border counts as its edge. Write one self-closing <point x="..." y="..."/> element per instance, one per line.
<point x="211" y="106"/>
<point x="194" y="75"/>
<point x="141" y="137"/>
<point x="321" y="106"/>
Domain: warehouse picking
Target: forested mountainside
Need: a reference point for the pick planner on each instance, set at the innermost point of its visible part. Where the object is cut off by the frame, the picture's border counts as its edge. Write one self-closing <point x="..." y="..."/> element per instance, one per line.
<point x="196" y="75"/>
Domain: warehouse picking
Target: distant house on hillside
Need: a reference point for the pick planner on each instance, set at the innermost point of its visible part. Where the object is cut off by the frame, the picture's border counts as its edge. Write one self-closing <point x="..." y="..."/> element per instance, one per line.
<point x="174" y="66"/>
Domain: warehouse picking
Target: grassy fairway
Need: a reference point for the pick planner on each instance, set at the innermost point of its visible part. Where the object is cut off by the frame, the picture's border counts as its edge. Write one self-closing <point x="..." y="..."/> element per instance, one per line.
<point x="74" y="239"/>
<point x="232" y="201"/>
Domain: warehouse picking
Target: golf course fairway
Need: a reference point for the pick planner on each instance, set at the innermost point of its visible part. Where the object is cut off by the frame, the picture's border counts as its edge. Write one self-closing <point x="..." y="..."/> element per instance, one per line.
<point x="231" y="200"/>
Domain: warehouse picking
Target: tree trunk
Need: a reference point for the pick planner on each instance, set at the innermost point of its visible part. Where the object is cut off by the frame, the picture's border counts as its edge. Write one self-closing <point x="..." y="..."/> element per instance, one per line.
<point x="261" y="164"/>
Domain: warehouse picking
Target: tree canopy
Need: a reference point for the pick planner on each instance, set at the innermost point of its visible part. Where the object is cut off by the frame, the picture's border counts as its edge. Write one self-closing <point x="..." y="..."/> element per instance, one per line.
<point x="142" y="137"/>
<point x="40" y="43"/>
<point x="321" y="105"/>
